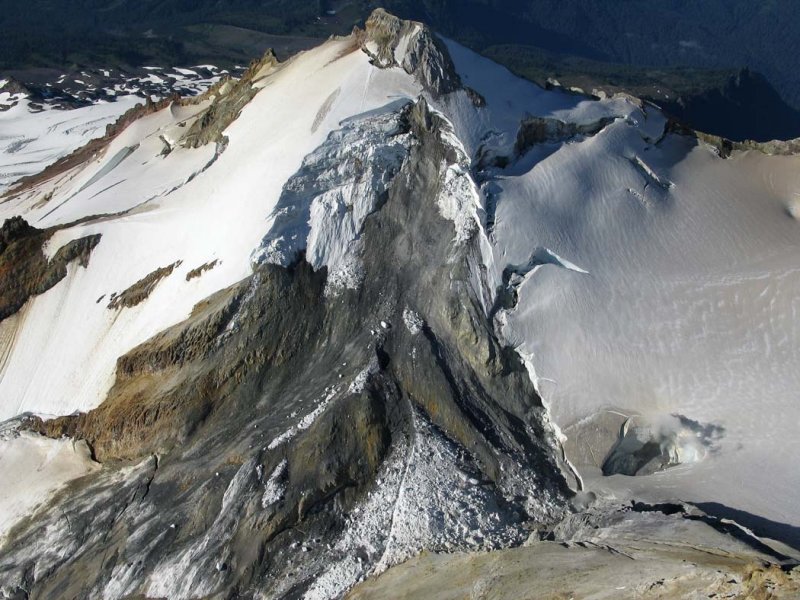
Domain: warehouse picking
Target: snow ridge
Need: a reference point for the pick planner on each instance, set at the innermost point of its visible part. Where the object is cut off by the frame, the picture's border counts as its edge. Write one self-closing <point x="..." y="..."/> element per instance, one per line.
<point x="458" y="199"/>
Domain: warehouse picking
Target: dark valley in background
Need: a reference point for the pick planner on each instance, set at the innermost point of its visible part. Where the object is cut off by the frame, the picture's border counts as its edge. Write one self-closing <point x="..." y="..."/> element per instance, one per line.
<point x="727" y="67"/>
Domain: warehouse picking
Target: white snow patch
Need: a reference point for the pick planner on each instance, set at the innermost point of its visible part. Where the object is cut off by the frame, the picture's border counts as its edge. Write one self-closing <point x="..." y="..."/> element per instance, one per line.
<point x="359" y="383"/>
<point x="412" y="320"/>
<point x="404" y="42"/>
<point x="151" y="79"/>
<point x="275" y="487"/>
<point x="305" y="422"/>
<point x="458" y="199"/>
<point x="457" y="202"/>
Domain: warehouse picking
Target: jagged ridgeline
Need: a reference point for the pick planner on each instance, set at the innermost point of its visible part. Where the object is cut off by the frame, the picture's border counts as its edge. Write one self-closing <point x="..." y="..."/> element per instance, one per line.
<point x="289" y="437"/>
<point x="275" y="331"/>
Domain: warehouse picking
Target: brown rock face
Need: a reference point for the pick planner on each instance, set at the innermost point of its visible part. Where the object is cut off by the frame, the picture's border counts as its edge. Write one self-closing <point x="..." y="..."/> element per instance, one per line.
<point x="425" y="56"/>
<point x="277" y="411"/>
<point x="226" y="108"/>
<point x="725" y="147"/>
<point x="198" y="271"/>
<point x="170" y="384"/>
<point x="24" y="268"/>
<point x="141" y="290"/>
<point x="537" y="130"/>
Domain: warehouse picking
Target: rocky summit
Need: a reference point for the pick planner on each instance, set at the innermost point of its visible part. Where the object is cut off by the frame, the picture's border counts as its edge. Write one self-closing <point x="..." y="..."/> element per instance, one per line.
<point x="385" y="321"/>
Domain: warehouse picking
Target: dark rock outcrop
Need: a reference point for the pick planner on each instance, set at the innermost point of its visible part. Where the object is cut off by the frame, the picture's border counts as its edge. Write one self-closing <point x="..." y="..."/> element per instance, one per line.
<point x="230" y="97"/>
<point x="725" y="147"/>
<point x="25" y="271"/>
<point x="393" y="42"/>
<point x="141" y="290"/>
<point x="277" y="411"/>
<point x="744" y="107"/>
<point x="198" y="271"/>
<point x="538" y="130"/>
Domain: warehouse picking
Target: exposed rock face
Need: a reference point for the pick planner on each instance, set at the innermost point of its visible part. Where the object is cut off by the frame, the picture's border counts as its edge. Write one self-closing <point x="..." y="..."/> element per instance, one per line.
<point x="726" y="147"/>
<point x="141" y="290"/>
<point x="305" y="439"/>
<point x="644" y="447"/>
<point x="25" y="271"/>
<point x="742" y="106"/>
<point x="198" y="271"/>
<point x="12" y="86"/>
<point x="231" y="98"/>
<point x="392" y="42"/>
<point x="537" y="130"/>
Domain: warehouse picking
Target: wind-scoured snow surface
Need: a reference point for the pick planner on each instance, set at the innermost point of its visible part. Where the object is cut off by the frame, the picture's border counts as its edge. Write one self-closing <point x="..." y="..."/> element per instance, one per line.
<point x="677" y="292"/>
<point x="651" y="276"/>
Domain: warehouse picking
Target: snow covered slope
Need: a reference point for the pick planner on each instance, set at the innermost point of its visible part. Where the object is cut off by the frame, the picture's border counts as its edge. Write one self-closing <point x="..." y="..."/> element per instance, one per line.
<point x="676" y="292"/>
<point x="260" y="249"/>
<point x="64" y="358"/>
<point x="42" y="123"/>
<point x="45" y="123"/>
<point x="29" y="141"/>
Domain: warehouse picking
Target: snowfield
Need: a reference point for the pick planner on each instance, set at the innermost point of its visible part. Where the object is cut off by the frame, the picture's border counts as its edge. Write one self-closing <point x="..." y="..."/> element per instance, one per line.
<point x="29" y="141"/>
<point x="688" y="305"/>
<point x="652" y="277"/>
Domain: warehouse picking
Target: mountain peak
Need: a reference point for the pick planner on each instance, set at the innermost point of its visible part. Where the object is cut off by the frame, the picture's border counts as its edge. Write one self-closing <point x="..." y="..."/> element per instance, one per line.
<point x="340" y="311"/>
<point x="394" y="42"/>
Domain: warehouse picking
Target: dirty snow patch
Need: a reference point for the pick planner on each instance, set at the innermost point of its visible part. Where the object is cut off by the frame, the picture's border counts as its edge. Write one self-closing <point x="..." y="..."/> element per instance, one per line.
<point x="275" y="487"/>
